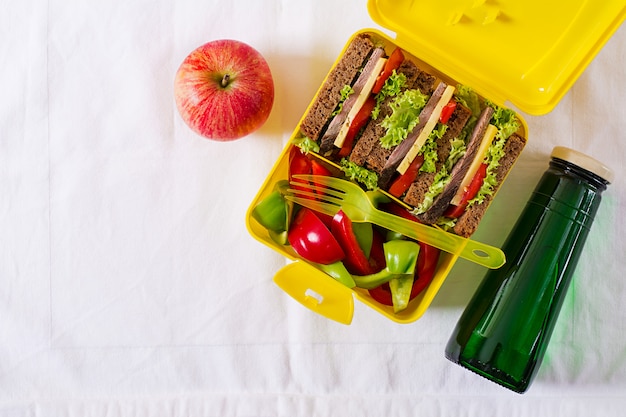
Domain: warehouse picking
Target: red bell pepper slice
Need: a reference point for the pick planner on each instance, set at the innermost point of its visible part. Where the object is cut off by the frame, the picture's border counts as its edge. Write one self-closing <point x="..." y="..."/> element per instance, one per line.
<point x="447" y="111"/>
<point x="356" y="125"/>
<point x="355" y="261"/>
<point x="312" y="240"/>
<point x="377" y="252"/>
<point x="395" y="59"/>
<point x="454" y="211"/>
<point x="404" y="181"/>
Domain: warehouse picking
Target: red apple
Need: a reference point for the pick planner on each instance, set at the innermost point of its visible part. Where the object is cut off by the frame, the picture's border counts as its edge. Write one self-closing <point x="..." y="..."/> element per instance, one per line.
<point x="224" y="90"/>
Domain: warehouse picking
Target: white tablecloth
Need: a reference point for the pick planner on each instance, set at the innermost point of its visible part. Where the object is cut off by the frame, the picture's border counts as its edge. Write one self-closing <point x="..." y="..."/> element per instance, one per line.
<point x="129" y="284"/>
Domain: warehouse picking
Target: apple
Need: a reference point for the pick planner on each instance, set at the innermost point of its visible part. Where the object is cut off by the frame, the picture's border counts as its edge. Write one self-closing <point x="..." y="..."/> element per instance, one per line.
<point x="224" y="90"/>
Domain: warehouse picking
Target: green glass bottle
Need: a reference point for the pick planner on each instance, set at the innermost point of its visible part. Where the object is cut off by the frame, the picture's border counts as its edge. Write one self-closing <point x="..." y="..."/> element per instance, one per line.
<point x="505" y="329"/>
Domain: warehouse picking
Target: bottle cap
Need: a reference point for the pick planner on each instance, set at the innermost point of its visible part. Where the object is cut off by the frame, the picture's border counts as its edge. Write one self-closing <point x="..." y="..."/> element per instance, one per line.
<point x="584" y="161"/>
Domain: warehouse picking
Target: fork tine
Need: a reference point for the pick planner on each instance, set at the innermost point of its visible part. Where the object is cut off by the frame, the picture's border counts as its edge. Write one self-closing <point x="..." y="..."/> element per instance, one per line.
<point x="313" y="195"/>
<point x="333" y="182"/>
<point x="315" y="188"/>
<point x="325" y="208"/>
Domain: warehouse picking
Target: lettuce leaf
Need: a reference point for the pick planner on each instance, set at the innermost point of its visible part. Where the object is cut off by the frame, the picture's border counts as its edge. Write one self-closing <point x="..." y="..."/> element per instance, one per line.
<point x="391" y="88"/>
<point x="359" y="174"/>
<point x="469" y="98"/>
<point x="429" y="149"/>
<point x="504" y="119"/>
<point x="345" y="92"/>
<point x="406" y="108"/>
<point x="306" y="144"/>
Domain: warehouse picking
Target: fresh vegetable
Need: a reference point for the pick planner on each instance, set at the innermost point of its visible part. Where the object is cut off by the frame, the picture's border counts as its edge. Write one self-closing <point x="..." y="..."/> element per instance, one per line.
<point x="274" y="213"/>
<point x="454" y="211"/>
<point x="300" y="163"/>
<point x="394" y="84"/>
<point x="405" y="108"/>
<point x="317" y="168"/>
<point x="392" y="268"/>
<point x="355" y="260"/>
<point x="393" y="63"/>
<point x="426" y="266"/>
<point x="357" y="124"/>
<point x="359" y="174"/>
<point x="426" y="263"/>
<point x="357" y="240"/>
<point x="271" y="212"/>
<point x="404" y="181"/>
<point x="312" y="240"/>
<point x="400" y="260"/>
<point x="447" y="111"/>
<point x="338" y="271"/>
<point x="400" y="288"/>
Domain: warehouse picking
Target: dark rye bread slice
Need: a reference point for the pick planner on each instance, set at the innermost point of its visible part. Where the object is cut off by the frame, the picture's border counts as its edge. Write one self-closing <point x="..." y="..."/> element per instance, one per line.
<point x="327" y="143"/>
<point x="458" y="119"/>
<point x="367" y="151"/>
<point x="466" y="224"/>
<point x="344" y="73"/>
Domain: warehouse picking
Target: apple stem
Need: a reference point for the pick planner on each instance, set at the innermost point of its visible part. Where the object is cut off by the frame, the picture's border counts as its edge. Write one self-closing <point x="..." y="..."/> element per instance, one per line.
<point x="225" y="80"/>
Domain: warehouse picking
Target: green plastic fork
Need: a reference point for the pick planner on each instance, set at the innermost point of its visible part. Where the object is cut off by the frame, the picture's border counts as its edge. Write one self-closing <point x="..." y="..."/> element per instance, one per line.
<point x="329" y="194"/>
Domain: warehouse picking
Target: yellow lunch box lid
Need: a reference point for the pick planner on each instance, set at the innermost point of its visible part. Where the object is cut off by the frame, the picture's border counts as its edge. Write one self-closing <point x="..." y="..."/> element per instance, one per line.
<point x="526" y="52"/>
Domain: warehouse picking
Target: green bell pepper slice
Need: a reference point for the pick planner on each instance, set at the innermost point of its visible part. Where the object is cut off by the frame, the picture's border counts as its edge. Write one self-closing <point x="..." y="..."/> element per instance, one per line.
<point x="338" y="271"/>
<point x="274" y="212"/>
<point x="401" y="260"/>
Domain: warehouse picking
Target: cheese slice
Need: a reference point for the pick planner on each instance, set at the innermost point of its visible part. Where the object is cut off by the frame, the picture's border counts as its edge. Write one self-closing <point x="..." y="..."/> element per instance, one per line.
<point x="362" y="97"/>
<point x="490" y="133"/>
<point x="426" y="131"/>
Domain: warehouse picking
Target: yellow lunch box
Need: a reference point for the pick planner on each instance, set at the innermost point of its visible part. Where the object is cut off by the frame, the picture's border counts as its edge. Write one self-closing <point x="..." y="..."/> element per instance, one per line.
<point x="526" y="53"/>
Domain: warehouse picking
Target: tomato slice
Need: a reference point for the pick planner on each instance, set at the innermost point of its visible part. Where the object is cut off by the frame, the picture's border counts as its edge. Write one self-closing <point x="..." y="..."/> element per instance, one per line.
<point x="404" y="181"/>
<point x="312" y="240"/>
<point x="317" y="168"/>
<point x="395" y="59"/>
<point x="356" y="125"/>
<point x="447" y="111"/>
<point x="301" y="164"/>
<point x="455" y="211"/>
<point x="298" y="162"/>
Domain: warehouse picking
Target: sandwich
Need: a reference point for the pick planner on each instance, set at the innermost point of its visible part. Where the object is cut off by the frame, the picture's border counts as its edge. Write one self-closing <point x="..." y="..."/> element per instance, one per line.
<point x="440" y="149"/>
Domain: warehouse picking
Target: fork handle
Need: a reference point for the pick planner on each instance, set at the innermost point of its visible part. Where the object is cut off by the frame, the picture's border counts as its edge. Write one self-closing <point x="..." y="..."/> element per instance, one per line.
<point x="472" y="250"/>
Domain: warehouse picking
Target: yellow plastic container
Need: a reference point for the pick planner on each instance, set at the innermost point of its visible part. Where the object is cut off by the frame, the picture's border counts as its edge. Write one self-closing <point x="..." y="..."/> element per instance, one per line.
<point x="527" y="53"/>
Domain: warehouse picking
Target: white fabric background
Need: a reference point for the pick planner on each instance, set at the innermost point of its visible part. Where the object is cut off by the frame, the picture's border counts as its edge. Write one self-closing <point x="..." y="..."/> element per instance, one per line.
<point x="129" y="284"/>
